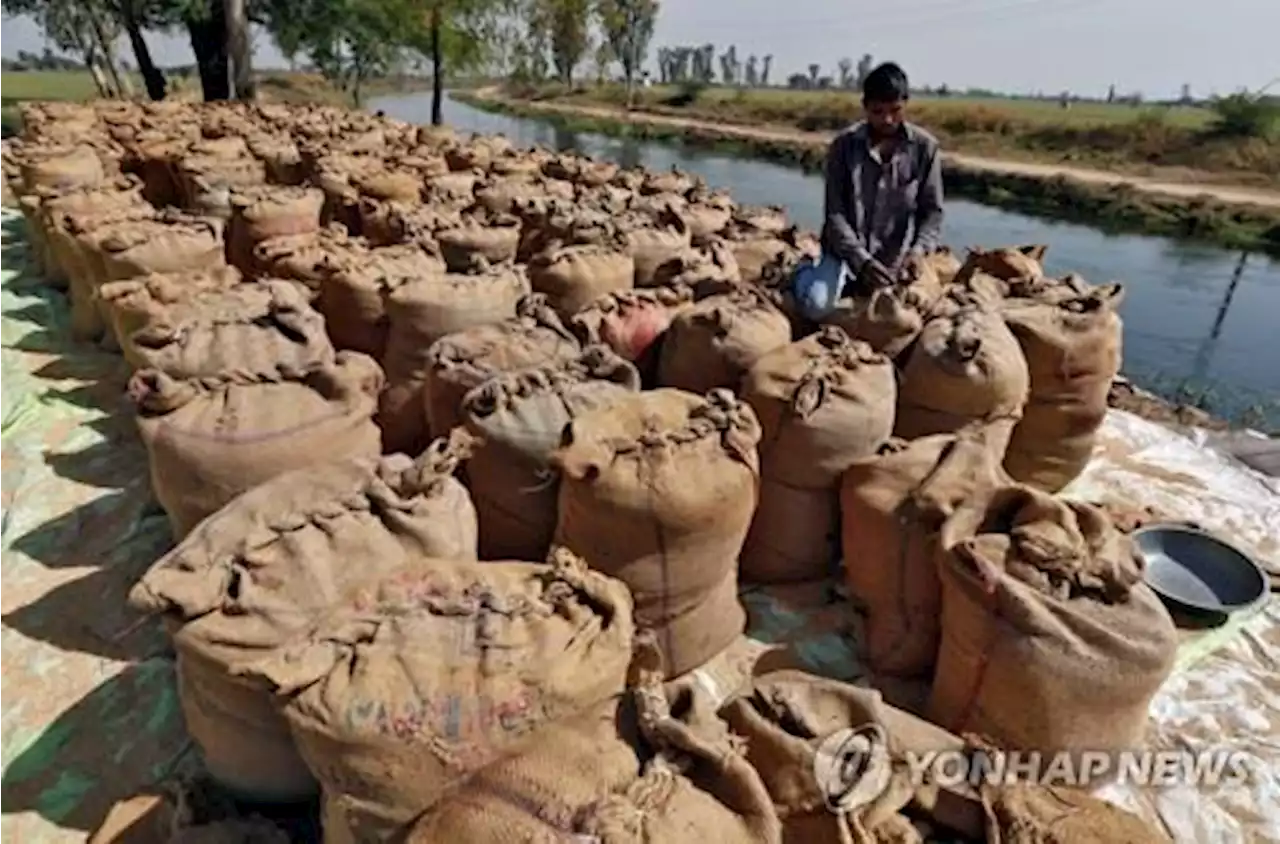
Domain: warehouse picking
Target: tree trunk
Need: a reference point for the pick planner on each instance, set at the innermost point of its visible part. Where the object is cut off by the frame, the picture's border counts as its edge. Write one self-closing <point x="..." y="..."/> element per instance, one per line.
<point x="629" y="72"/>
<point x="239" y="49"/>
<point x="209" y="43"/>
<point x="107" y="54"/>
<point x="152" y="77"/>
<point x="437" y="71"/>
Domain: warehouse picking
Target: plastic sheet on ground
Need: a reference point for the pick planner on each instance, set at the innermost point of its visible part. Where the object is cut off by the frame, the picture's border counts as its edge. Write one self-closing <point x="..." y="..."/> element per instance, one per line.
<point x="90" y="714"/>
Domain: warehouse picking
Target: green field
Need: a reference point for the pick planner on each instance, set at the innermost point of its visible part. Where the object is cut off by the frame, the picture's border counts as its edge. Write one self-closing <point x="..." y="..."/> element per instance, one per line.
<point x="1142" y="140"/>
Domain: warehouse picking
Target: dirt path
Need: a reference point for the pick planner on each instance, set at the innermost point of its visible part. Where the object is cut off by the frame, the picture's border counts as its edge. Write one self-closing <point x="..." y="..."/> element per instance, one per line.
<point x="1222" y="193"/>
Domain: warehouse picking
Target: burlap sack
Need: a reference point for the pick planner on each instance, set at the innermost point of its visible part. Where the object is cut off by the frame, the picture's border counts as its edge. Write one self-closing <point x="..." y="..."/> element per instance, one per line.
<point x="823" y="403"/>
<point x="264" y="568"/>
<point x="247" y="329"/>
<point x="1023" y="813"/>
<point x="945" y="263"/>
<point x="706" y="221"/>
<point x="51" y="221"/>
<point x="353" y="295"/>
<point x="465" y="359"/>
<point x="420" y="312"/>
<point x="653" y="246"/>
<point x="1050" y="640"/>
<point x="1006" y="263"/>
<point x="658" y="490"/>
<point x="211" y="439"/>
<point x="787" y="718"/>
<point x="136" y="303"/>
<point x="965" y="368"/>
<point x="441" y="668"/>
<point x="386" y="223"/>
<point x="501" y="196"/>
<point x="892" y="507"/>
<point x="572" y="277"/>
<point x="761" y="219"/>
<point x="891" y="318"/>
<point x="451" y="190"/>
<point x="697" y="787"/>
<point x="309" y="259"/>
<point x="708" y="270"/>
<point x="390" y="185"/>
<point x="520" y="417"/>
<point x="753" y="254"/>
<point x="61" y="169"/>
<point x="633" y="323"/>
<point x="166" y="245"/>
<point x="541" y="793"/>
<point x="714" y="343"/>
<point x="258" y="215"/>
<point x="666" y="181"/>
<point x="1073" y="353"/>
<point x="206" y="182"/>
<point x="495" y="242"/>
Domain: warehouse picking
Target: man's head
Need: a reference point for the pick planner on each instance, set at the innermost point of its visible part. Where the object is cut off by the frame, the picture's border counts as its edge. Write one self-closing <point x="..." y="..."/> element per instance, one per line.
<point x="884" y="97"/>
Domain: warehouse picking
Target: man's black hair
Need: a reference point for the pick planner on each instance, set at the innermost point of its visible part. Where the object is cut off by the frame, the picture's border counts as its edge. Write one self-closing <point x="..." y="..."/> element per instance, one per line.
<point x="885" y="84"/>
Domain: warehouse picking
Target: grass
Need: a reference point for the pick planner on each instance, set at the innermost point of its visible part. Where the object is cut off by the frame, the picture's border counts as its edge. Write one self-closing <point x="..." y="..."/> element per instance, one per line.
<point x="1122" y="138"/>
<point x="1117" y="208"/>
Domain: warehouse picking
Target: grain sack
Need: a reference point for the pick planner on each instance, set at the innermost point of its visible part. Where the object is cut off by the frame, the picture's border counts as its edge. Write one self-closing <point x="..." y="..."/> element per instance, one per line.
<point x="83" y="259"/>
<point x="654" y="246"/>
<point x="265" y="213"/>
<point x="892" y="507"/>
<point x="390" y="185"/>
<point x="419" y="312"/>
<point x="671" y="181"/>
<point x="891" y="318"/>
<point x="823" y="403"/>
<point x="352" y="296"/>
<point x="212" y="438"/>
<point x="572" y="277"/>
<point x="632" y="323"/>
<point x="520" y="417"/>
<point x="206" y="182"/>
<point x="708" y="270"/>
<point x="714" y="343"/>
<point x="452" y="190"/>
<point x="431" y="673"/>
<point x="54" y="211"/>
<point x="61" y="169"/>
<point x="135" y="303"/>
<point x="544" y="790"/>
<point x="171" y="244"/>
<point x="1073" y="353"/>
<point x="706" y="221"/>
<point x="698" y="787"/>
<point x="503" y="196"/>
<point x="385" y="223"/>
<point x="1023" y="813"/>
<point x="753" y="254"/>
<point x="658" y="490"/>
<point x="249" y="329"/>
<point x="786" y="718"/>
<point x="465" y="359"/>
<point x="308" y="259"/>
<point x="1050" y="640"/>
<point x="944" y="263"/>
<point x="264" y="568"/>
<point x="495" y="243"/>
<point x="1006" y="263"/>
<point x="966" y="368"/>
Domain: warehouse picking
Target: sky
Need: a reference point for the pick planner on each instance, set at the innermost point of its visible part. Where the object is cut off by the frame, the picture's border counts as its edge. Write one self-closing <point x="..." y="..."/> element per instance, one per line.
<point x="1022" y="46"/>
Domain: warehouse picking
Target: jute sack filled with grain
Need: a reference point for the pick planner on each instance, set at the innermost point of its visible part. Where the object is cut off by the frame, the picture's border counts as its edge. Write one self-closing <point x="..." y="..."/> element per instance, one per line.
<point x="520" y="417"/>
<point x="206" y="182"/>
<point x="698" y="785"/>
<point x="714" y="343"/>
<point x="260" y="214"/>
<point x="965" y="368"/>
<point x="1050" y="640"/>
<point x="706" y="220"/>
<point x="391" y="223"/>
<point x="632" y="322"/>
<point x="892" y="507"/>
<point x="1007" y="263"/>
<point x="502" y="196"/>
<point x="891" y="318"/>
<point x="823" y="403"/>
<point x="945" y="263"/>
<point x="654" y="245"/>
<point x="1073" y="353"/>
<point x="353" y="294"/>
<point x="308" y="259"/>
<point x="421" y="311"/>
<point x="54" y="209"/>
<point x="465" y="359"/>
<point x="1026" y="813"/>
<point x="755" y="252"/>
<point x="249" y="328"/>
<point x="658" y="490"/>
<point x="212" y="438"/>
<point x="708" y="269"/>
<point x="432" y="672"/>
<point x="86" y="268"/>
<point x="786" y="719"/>
<point x="61" y="168"/>
<point x="572" y="277"/>
<point x="133" y="304"/>
<point x="264" y="568"/>
<point x="495" y="242"/>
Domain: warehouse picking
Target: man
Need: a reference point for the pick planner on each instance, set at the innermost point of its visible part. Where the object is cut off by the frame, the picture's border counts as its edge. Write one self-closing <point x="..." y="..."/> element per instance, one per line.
<point x="883" y="208"/>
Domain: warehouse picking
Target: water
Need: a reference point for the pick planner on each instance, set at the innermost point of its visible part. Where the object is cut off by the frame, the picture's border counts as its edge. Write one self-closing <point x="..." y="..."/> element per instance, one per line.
<point x="1189" y="332"/>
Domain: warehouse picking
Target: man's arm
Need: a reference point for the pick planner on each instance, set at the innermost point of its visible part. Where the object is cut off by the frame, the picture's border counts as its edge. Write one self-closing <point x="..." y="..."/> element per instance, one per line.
<point x="928" y="233"/>
<point x="838" y="234"/>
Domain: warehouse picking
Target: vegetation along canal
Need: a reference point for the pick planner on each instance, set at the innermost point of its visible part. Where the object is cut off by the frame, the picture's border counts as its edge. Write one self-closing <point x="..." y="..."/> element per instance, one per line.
<point x="1199" y="321"/>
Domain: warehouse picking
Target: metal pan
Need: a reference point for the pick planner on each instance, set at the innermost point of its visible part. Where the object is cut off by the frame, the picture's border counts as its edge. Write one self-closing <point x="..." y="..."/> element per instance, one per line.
<point x="1194" y="570"/>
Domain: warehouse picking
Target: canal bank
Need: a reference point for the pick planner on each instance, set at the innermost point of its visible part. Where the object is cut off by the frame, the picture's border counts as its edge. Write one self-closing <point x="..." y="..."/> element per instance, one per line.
<point x="1198" y="327"/>
<point x="1238" y="219"/>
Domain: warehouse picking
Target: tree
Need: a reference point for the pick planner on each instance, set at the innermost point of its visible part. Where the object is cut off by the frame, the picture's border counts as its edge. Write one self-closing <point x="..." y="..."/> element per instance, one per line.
<point x="570" y="25"/>
<point x="628" y="27"/>
<point x="753" y="71"/>
<point x="814" y="70"/>
<point x="603" y="58"/>
<point x="764" y="71"/>
<point x="845" y="66"/>
<point x="87" y="29"/>
<point x="239" y="49"/>
<point x="865" y="65"/>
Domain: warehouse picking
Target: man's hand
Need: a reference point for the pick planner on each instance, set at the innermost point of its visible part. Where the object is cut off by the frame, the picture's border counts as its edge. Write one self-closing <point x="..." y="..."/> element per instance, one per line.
<point x="876" y="274"/>
<point x="910" y="268"/>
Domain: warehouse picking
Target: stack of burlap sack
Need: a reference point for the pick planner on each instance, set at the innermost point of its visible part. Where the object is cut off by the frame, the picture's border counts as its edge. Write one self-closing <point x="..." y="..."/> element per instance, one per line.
<point x="445" y="428"/>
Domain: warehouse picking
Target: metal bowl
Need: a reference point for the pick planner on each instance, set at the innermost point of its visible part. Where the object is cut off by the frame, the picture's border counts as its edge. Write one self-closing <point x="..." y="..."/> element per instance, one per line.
<point x="1197" y="571"/>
